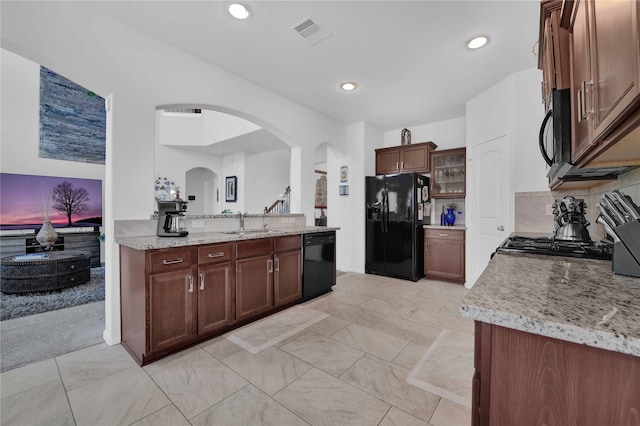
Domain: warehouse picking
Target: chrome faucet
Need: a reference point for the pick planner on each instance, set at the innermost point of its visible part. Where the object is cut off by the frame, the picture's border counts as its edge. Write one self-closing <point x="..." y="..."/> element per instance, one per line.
<point x="242" y="215"/>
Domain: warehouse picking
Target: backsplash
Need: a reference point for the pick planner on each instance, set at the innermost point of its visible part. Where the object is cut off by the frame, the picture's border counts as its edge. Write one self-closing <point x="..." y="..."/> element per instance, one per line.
<point x="531" y="207"/>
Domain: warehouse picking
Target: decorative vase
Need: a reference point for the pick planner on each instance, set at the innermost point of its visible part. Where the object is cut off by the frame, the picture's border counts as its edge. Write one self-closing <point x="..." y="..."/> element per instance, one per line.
<point x="450" y="217"/>
<point x="47" y="235"/>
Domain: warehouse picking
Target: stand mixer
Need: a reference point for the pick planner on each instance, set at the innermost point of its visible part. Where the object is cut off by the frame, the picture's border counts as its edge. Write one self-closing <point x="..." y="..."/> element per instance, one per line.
<point x="570" y="222"/>
<point x="171" y="219"/>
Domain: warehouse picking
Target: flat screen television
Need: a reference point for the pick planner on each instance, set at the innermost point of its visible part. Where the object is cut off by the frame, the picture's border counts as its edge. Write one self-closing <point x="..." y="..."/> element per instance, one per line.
<point x="73" y="202"/>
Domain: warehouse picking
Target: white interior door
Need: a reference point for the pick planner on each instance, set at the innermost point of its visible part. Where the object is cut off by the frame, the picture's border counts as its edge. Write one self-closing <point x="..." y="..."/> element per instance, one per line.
<point x="491" y="207"/>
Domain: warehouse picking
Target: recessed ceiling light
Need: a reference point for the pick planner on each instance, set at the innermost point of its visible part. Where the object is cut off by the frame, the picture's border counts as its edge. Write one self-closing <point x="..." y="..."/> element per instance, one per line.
<point x="477" y="42"/>
<point x="348" y="86"/>
<point x="239" y="11"/>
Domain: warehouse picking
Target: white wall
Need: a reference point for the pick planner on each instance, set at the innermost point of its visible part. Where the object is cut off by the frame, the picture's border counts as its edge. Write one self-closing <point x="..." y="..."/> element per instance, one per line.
<point x="446" y="134"/>
<point x="139" y="73"/>
<point x="20" y="130"/>
<point x="266" y="176"/>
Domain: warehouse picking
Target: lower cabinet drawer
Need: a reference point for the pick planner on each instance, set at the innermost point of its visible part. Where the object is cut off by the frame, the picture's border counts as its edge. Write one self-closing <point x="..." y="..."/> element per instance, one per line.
<point x="215" y="253"/>
<point x="453" y="234"/>
<point x="253" y="248"/>
<point x="170" y="260"/>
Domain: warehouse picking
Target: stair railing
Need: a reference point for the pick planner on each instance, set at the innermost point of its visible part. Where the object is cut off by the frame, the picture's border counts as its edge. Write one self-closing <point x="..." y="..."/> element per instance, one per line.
<point x="281" y="204"/>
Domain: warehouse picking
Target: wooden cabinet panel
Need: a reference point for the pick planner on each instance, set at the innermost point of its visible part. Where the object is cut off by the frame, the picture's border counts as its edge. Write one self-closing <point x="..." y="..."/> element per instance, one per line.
<point x="287" y="243"/>
<point x="171" y="304"/>
<point x="254" y="286"/>
<point x="562" y="383"/>
<point x="444" y="256"/>
<point x="251" y="248"/>
<point x="553" y="50"/>
<point x="216" y="309"/>
<point x="287" y="277"/>
<point x="215" y="253"/>
<point x="404" y="158"/>
<point x="387" y="161"/>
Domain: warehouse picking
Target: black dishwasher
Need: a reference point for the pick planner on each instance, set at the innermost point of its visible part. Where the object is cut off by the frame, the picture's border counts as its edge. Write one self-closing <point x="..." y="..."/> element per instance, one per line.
<point x="319" y="265"/>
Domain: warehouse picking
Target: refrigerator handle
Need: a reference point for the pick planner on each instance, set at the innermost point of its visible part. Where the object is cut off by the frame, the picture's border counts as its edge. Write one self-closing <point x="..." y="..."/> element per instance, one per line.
<point x="384" y="209"/>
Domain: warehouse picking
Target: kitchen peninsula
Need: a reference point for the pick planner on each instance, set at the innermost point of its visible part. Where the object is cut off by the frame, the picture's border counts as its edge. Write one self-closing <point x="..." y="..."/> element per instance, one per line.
<point x="179" y="291"/>
<point x="557" y="341"/>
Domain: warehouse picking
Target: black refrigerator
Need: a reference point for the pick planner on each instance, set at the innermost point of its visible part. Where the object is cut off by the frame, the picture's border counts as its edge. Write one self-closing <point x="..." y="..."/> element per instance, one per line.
<point x="397" y="208"/>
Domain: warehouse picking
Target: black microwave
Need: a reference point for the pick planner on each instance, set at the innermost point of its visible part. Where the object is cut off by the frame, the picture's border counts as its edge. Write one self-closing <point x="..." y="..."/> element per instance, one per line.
<point x="555" y="143"/>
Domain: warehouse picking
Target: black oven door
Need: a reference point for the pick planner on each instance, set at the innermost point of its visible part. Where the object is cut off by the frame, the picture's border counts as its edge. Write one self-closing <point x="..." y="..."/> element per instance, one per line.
<point x="555" y="133"/>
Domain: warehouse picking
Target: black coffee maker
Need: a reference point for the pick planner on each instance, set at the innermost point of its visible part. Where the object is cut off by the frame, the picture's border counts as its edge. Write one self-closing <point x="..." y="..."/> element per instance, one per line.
<point x="171" y="222"/>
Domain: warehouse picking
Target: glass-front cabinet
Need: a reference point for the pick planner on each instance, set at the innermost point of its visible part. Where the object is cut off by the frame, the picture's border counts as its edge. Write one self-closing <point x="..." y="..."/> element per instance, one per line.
<point x="448" y="173"/>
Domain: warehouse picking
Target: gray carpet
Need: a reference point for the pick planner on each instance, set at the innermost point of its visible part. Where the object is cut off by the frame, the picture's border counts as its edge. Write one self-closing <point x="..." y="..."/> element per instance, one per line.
<point x="42" y="336"/>
<point x="20" y="305"/>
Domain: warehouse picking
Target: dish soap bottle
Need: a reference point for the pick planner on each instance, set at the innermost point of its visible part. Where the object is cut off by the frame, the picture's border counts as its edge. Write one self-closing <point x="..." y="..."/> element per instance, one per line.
<point x="442" y="221"/>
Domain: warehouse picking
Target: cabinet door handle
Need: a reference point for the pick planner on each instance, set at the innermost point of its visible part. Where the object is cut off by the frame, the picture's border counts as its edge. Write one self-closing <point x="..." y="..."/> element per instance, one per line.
<point x="402" y="164"/>
<point x="202" y="281"/>
<point x="585" y="111"/>
<point x="216" y="254"/>
<point x="443" y="235"/>
<point x="270" y="265"/>
<point x="190" y="283"/>
<point x="172" y="261"/>
<point x="277" y="265"/>
<point x="397" y="166"/>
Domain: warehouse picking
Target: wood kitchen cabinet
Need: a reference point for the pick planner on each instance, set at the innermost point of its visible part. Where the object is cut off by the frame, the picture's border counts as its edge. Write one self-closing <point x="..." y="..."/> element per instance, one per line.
<point x="404" y="158"/>
<point x="269" y="275"/>
<point x="520" y="376"/>
<point x="553" y="49"/>
<point x="448" y="173"/>
<point x="604" y="57"/>
<point x="171" y="298"/>
<point x="444" y="257"/>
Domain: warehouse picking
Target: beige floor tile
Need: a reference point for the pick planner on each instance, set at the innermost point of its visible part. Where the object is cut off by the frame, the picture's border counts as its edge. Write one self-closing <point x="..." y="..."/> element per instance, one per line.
<point x="220" y="347"/>
<point x="326" y="354"/>
<point x="321" y="399"/>
<point x="95" y="362"/>
<point x="269" y="370"/>
<point x="328" y="326"/>
<point x="347" y="297"/>
<point x="248" y="406"/>
<point x="388" y="307"/>
<point x="397" y="417"/>
<point x="443" y="321"/>
<point x="387" y="381"/>
<point x="450" y="414"/>
<point x="28" y="377"/>
<point x="452" y="307"/>
<point x="167" y="416"/>
<point x="42" y="405"/>
<point x="410" y="356"/>
<point x="374" y="342"/>
<point x="121" y="398"/>
<point x="419" y="334"/>
<point x="198" y="383"/>
<point x="429" y="302"/>
<point x="350" y="313"/>
<point x="174" y="359"/>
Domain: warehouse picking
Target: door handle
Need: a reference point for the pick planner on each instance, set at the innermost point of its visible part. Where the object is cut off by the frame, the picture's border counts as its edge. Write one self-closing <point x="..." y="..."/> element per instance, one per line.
<point x="201" y="281"/>
<point x="270" y="265"/>
<point x="277" y="265"/>
<point x="397" y="166"/>
<point x="190" y="283"/>
<point x="500" y="228"/>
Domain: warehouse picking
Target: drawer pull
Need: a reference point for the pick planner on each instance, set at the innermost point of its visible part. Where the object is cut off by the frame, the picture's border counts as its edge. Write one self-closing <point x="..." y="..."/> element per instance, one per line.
<point x="201" y="281"/>
<point x="216" y="254"/>
<point x="443" y="235"/>
<point x="190" y="284"/>
<point x="172" y="261"/>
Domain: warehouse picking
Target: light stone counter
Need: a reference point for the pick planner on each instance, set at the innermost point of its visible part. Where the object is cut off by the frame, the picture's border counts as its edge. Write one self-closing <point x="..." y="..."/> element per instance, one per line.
<point x="453" y="228"/>
<point x="150" y="242"/>
<point x="577" y="300"/>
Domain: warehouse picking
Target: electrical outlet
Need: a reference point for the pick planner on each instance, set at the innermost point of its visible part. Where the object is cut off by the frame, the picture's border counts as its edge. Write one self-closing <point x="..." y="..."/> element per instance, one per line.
<point x="549" y="211"/>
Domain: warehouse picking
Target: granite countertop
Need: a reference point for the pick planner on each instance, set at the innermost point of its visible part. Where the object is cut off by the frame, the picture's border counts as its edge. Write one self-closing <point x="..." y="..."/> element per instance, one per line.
<point x="453" y="228"/>
<point x="572" y="299"/>
<point x="150" y="242"/>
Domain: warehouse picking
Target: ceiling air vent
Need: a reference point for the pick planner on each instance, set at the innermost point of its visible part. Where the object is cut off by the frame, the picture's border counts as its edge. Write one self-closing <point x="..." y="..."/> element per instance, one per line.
<point x="311" y="31"/>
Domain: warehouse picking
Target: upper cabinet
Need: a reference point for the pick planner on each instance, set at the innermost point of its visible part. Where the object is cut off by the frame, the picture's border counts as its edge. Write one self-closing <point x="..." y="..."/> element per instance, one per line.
<point x="553" y="50"/>
<point x="404" y="158"/>
<point x="604" y="57"/>
<point x="448" y="173"/>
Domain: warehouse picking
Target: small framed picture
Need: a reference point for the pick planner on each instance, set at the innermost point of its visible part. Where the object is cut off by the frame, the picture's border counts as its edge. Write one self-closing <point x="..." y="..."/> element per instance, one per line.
<point x="231" y="194"/>
<point x="344" y="174"/>
<point x="344" y="190"/>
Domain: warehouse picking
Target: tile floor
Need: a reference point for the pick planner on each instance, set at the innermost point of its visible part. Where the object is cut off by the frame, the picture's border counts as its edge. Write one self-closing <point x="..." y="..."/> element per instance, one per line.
<point x="350" y="368"/>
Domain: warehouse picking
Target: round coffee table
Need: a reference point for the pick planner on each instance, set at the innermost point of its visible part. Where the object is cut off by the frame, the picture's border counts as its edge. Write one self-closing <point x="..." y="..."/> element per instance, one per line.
<point x="60" y="269"/>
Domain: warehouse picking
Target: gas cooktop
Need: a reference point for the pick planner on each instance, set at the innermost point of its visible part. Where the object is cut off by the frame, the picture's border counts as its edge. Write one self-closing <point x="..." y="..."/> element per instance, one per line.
<point x="552" y="247"/>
